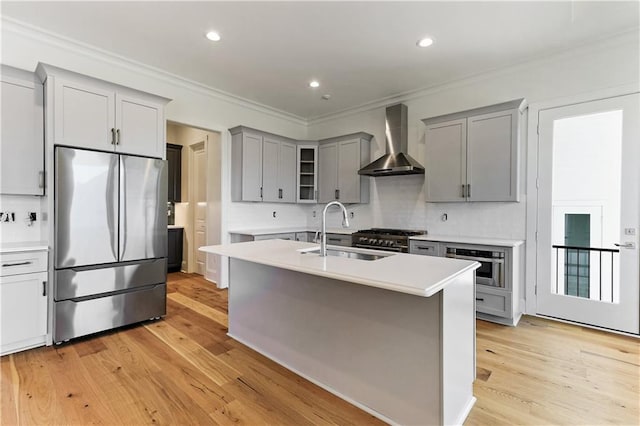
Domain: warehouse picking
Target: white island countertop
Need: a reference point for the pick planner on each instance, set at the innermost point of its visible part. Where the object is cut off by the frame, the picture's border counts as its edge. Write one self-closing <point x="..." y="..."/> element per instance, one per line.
<point x="405" y="273"/>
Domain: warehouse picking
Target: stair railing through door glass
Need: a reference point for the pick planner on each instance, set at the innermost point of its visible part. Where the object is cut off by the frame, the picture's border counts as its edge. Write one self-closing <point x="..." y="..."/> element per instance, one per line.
<point x="587" y="272"/>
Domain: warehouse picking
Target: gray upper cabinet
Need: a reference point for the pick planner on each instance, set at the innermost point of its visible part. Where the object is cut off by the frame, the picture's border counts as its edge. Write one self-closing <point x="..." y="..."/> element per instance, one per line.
<point x="263" y="166"/>
<point x="339" y="160"/>
<point x="278" y="171"/>
<point x="91" y="113"/>
<point x="474" y="155"/>
<point x="22" y="124"/>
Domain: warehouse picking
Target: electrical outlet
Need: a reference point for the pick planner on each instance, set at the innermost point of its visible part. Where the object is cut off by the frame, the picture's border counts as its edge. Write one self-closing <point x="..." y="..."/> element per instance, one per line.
<point x="629" y="231"/>
<point x="7" y="217"/>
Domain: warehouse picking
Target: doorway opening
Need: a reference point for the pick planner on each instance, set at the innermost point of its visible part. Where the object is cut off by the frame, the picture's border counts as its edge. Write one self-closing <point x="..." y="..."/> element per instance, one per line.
<point x="198" y="209"/>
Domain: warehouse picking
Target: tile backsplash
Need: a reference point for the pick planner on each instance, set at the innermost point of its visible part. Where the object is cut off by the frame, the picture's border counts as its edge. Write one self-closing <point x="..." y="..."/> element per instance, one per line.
<point x="22" y="230"/>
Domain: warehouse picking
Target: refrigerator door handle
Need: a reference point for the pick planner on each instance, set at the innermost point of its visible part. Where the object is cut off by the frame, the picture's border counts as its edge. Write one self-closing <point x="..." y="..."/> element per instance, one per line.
<point x="112" y="203"/>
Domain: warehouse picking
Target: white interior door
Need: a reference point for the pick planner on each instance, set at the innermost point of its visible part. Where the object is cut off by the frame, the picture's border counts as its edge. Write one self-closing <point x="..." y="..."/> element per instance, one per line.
<point x="200" y="208"/>
<point x="588" y="213"/>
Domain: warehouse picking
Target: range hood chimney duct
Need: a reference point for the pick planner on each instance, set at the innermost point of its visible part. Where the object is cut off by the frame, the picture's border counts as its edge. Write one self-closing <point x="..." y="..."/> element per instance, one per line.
<point x="396" y="161"/>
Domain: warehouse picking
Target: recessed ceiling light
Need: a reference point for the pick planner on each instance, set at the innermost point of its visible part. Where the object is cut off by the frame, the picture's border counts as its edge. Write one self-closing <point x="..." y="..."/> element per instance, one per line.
<point x="213" y="36"/>
<point x="424" y="42"/>
<point x="314" y="84"/>
<point x="326" y="97"/>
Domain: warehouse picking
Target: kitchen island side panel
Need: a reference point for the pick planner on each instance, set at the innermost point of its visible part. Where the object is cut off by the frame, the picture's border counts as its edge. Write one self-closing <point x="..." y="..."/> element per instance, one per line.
<point x="376" y="348"/>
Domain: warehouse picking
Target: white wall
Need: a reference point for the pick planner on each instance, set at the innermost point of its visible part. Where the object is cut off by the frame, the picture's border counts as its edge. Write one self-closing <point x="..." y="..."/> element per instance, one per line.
<point x="395" y="201"/>
<point x="21" y="230"/>
<point x="399" y="200"/>
<point x="191" y="104"/>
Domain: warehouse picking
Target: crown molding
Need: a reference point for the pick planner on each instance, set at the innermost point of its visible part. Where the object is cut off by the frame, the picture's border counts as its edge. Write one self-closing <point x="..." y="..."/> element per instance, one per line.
<point x="628" y="36"/>
<point x="50" y="38"/>
<point x="47" y="37"/>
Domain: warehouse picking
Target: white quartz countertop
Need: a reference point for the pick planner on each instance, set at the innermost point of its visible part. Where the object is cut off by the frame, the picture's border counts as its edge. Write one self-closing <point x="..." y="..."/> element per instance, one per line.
<point x="470" y="240"/>
<point x="175" y="226"/>
<point x="286" y="229"/>
<point x="24" y="246"/>
<point x="406" y="273"/>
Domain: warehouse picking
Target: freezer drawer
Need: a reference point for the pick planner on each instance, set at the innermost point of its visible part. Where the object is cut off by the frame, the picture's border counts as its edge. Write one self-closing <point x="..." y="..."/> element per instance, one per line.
<point x="82" y="317"/>
<point x="81" y="282"/>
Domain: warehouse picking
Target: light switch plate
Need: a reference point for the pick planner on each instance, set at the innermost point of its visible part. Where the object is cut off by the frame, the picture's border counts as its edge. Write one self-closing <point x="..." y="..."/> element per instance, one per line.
<point x="629" y="231"/>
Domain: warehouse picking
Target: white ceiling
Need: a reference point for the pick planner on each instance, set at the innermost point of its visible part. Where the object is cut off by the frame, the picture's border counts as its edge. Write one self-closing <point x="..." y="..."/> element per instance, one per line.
<point x="360" y="52"/>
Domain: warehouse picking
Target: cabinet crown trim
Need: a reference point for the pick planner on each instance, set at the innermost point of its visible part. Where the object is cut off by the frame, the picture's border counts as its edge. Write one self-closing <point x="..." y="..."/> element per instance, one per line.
<point x="243" y="129"/>
<point x="359" y="135"/>
<point x="520" y="104"/>
<point x="19" y="76"/>
<point x="44" y="71"/>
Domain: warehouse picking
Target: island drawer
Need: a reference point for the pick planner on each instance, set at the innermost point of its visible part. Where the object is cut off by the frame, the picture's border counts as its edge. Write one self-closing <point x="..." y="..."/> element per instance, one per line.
<point x="426" y="248"/>
<point x="493" y="302"/>
<point x="25" y="262"/>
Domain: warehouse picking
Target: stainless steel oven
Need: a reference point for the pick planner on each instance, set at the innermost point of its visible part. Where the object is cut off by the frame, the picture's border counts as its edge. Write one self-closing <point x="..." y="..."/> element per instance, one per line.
<point x="492" y="264"/>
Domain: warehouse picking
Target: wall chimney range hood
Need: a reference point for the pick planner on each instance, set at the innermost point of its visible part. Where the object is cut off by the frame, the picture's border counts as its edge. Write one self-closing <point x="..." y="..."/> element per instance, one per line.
<point x="396" y="161"/>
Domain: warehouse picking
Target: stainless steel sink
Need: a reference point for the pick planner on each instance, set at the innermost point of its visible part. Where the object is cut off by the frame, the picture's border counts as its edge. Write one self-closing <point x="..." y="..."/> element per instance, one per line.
<point x="349" y="254"/>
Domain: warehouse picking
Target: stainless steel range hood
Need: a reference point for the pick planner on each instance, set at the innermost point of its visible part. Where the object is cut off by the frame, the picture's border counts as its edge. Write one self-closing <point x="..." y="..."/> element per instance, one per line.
<point x="396" y="161"/>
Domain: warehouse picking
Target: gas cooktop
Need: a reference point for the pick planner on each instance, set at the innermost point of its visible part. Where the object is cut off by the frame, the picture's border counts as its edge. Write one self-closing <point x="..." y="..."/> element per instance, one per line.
<point x="384" y="238"/>
<point x="391" y="231"/>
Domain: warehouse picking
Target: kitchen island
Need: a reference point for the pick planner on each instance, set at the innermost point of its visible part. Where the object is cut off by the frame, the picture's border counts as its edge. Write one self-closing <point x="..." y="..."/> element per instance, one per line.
<point x="394" y="336"/>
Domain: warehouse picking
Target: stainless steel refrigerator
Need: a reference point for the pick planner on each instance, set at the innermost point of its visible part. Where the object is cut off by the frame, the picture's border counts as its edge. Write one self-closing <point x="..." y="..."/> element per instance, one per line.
<point x="110" y="242"/>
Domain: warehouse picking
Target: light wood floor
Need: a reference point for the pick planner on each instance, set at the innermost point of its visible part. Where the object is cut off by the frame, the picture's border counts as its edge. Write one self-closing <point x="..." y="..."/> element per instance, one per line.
<point x="185" y="370"/>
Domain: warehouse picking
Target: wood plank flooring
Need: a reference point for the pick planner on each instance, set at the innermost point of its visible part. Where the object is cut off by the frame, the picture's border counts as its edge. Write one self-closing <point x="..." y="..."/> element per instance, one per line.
<point x="184" y="369"/>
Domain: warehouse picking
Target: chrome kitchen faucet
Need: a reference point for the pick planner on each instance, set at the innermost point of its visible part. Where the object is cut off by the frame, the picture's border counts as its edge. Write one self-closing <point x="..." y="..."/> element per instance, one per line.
<point x="345" y="224"/>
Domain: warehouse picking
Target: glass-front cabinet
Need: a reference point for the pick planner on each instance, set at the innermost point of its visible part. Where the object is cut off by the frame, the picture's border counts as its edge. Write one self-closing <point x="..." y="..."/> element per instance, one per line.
<point x="307" y="173"/>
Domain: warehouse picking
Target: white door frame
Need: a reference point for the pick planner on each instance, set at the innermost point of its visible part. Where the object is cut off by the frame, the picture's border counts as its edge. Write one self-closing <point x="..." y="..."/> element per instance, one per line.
<point x="531" y="245"/>
<point x="197" y="146"/>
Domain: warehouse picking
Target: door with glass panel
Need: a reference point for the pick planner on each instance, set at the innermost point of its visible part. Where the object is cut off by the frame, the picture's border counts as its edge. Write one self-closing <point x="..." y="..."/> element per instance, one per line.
<point x="588" y="213"/>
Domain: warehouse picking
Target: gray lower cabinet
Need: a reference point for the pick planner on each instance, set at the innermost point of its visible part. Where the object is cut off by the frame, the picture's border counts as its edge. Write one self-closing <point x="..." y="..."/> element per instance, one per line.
<point x="281" y="236"/>
<point x="426" y="248"/>
<point x="339" y="239"/>
<point x="174" y="253"/>
<point x="495" y="304"/>
<point x="22" y="136"/>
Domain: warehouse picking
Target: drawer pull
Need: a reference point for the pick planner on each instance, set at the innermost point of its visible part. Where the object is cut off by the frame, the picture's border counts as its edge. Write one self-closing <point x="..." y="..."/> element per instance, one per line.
<point x="6" y="265"/>
<point x="423" y="248"/>
<point x="334" y="239"/>
<point x="44" y="288"/>
<point x="480" y="299"/>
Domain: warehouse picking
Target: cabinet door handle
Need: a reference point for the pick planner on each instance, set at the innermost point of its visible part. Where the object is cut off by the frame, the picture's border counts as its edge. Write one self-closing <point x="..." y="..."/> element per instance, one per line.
<point x="462" y="194"/>
<point x="337" y="194"/>
<point x="6" y="265"/>
<point x="480" y="299"/>
<point x="280" y="193"/>
<point x="118" y="137"/>
<point x="468" y="190"/>
<point x="260" y="192"/>
<point x="113" y="136"/>
<point x="44" y="288"/>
